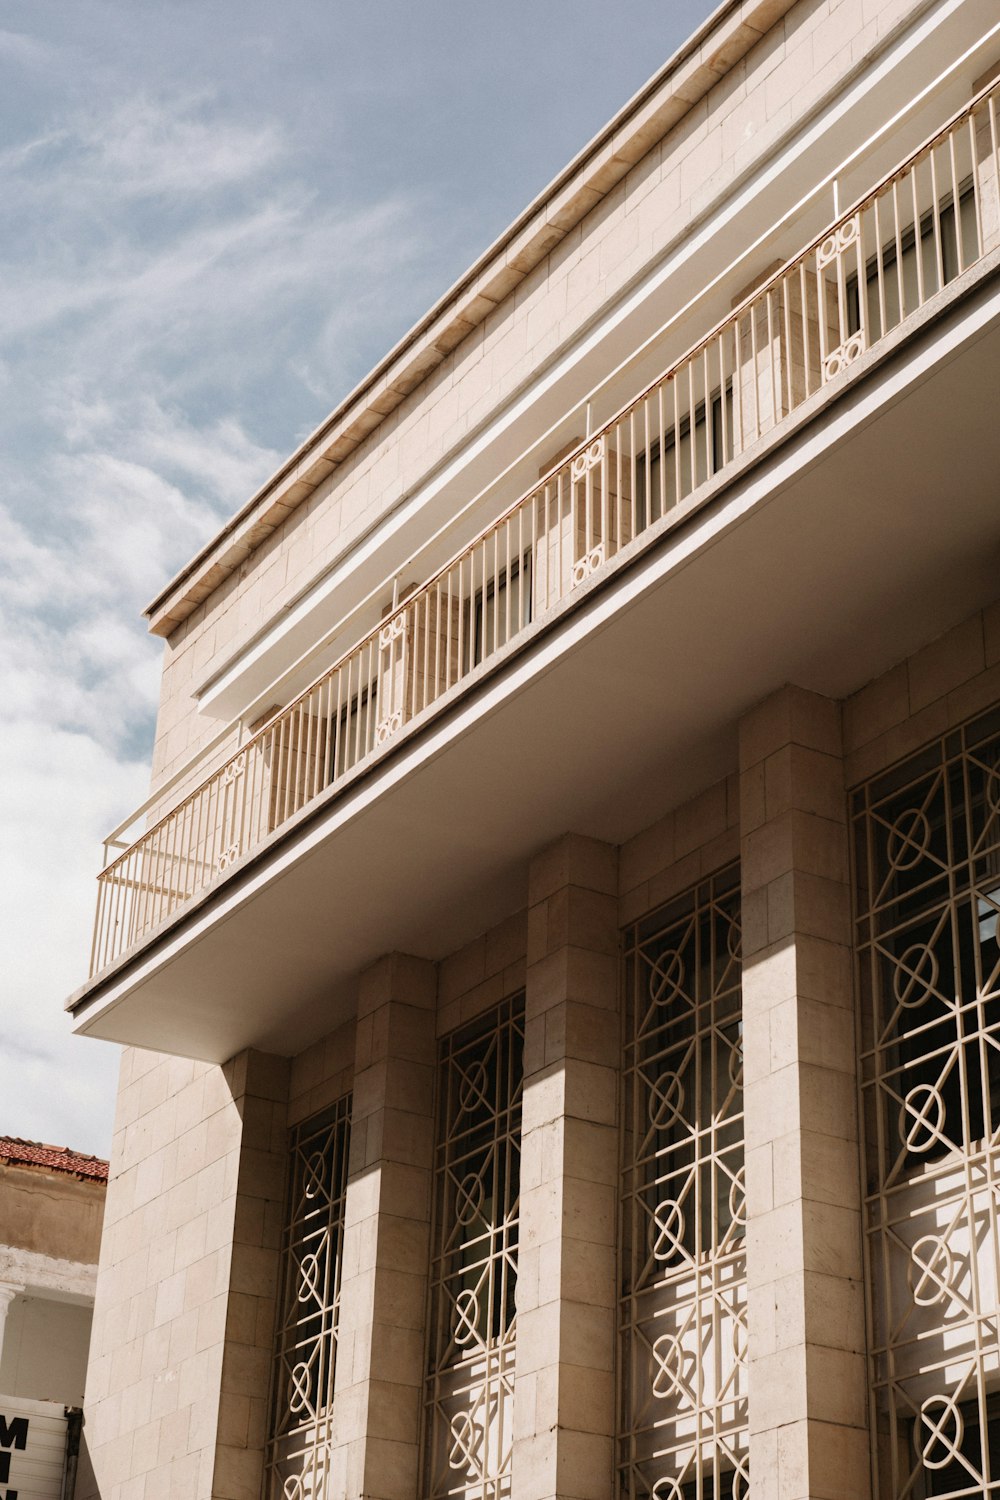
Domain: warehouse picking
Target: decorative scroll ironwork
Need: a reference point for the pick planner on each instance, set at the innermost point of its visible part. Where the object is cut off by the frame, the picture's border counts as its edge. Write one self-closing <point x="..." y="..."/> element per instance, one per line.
<point x="683" y="1310"/>
<point x="927" y="879"/>
<point x="306" y="1340"/>
<point x="469" y="1417"/>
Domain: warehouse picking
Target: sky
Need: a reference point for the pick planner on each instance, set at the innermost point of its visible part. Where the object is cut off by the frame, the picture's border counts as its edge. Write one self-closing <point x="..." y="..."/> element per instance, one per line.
<point x="217" y="216"/>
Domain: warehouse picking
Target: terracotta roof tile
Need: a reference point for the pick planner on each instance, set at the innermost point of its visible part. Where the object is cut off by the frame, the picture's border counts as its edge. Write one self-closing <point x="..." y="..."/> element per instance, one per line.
<point x="55" y="1158"/>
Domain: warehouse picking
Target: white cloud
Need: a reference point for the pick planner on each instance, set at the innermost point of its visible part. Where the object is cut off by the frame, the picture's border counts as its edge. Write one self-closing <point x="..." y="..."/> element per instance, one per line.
<point x="145" y="147"/>
<point x="18" y="47"/>
<point x="169" y="282"/>
<point x="58" y="793"/>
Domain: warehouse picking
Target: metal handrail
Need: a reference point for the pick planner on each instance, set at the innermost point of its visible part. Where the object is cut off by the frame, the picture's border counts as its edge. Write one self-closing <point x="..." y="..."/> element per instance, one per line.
<point x="935" y="214"/>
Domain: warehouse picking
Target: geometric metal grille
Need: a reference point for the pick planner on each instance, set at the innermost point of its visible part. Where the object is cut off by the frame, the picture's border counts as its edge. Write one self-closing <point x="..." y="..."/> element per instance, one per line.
<point x="927" y="897"/>
<point x="306" y="1339"/>
<point x="683" y="1310"/>
<point x="468" y="1423"/>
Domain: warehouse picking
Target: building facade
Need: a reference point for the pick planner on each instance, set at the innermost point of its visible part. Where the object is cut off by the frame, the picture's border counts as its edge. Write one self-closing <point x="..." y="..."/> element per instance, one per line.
<point x="51" y="1209"/>
<point x="557" y="962"/>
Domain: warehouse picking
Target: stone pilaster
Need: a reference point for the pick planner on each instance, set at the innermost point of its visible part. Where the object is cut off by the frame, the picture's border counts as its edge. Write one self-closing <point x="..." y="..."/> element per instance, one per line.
<point x="808" y="1431"/>
<point x="380" y="1344"/>
<point x="564" y="1402"/>
<point x="260" y="1093"/>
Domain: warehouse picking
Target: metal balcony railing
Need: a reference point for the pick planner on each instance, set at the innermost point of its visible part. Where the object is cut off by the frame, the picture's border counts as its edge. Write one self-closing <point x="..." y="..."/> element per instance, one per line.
<point x="875" y="266"/>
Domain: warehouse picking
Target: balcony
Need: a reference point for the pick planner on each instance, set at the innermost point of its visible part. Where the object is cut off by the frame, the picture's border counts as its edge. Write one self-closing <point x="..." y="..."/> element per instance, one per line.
<point x="879" y="275"/>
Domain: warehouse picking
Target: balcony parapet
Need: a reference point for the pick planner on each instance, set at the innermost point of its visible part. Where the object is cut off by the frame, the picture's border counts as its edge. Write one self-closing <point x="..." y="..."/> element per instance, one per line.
<point x="936" y="215"/>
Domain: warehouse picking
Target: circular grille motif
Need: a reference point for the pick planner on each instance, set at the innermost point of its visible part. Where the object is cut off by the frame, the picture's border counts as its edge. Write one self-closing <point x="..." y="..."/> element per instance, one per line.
<point x="736" y="1063"/>
<point x="666" y="1100"/>
<point x="991" y="790"/>
<point x="309" y="1273"/>
<point x="666" y="1232"/>
<point x="314" y="1172"/>
<point x="668" y="1359"/>
<point x="940" y="1432"/>
<point x="298" y="1395"/>
<point x="931" y="1271"/>
<point x="921" y="1118"/>
<point x="915" y="975"/>
<point x="472" y="1089"/>
<point x="666" y="978"/>
<point x="467" y="1308"/>
<point x="466" y="1441"/>
<point x="667" y="1489"/>
<point x="739" y="1340"/>
<point x="738" y="1198"/>
<point x="908" y="839"/>
<point x="468" y="1198"/>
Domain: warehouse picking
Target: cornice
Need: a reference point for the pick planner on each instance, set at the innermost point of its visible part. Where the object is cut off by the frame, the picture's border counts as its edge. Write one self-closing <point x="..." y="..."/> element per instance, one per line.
<point x="712" y="52"/>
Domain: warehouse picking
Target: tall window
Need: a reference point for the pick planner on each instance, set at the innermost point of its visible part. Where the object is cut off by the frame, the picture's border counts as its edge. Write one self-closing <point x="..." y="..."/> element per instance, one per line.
<point x="927" y="862"/>
<point x="469" y="1417"/>
<point x="683" y="1310"/>
<point x="306" y="1341"/>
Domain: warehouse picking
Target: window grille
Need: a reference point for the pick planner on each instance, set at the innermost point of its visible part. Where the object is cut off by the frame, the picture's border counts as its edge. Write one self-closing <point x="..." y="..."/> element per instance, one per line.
<point x="469" y="1416"/>
<point x="927" y="880"/>
<point x="306" y="1339"/>
<point x="683" y="1309"/>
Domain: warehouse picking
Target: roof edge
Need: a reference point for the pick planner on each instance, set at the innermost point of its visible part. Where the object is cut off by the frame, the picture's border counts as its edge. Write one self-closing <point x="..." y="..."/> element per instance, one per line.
<point x="714" y="49"/>
<point x="40" y="1156"/>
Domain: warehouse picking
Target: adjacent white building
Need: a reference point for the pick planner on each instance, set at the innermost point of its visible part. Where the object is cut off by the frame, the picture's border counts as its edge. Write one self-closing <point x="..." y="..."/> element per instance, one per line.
<point x="51" y="1209"/>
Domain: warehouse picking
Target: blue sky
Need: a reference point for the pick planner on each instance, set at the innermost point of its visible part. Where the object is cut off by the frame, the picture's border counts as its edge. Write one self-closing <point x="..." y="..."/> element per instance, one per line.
<point x="217" y="217"/>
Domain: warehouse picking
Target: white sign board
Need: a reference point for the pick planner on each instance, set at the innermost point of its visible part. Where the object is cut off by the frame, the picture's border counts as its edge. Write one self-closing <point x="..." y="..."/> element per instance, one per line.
<point x="32" y="1449"/>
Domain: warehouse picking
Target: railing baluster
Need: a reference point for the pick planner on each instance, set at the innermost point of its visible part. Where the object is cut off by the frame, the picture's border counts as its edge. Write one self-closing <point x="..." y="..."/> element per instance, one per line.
<point x="774" y="371"/>
<point x="936" y="220"/>
<point x="918" y="246"/>
<point x="806" y="347"/>
<point x="862" y="282"/>
<point x="956" y="204"/>
<point x="755" y="373"/>
<point x="724" y="415"/>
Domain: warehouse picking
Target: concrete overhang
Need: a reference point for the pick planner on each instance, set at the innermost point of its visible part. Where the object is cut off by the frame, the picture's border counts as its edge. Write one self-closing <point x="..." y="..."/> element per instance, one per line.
<point x="863" y="529"/>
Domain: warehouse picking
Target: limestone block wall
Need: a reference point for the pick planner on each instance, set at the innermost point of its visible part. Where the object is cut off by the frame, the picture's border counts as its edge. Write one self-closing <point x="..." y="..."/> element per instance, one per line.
<point x="477" y="977"/>
<point x="804" y="56"/>
<point x="564" y="1410"/>
<point x="949" y="680"/>
<point x="681" y="848"/>
<point x="180" y="1352"/>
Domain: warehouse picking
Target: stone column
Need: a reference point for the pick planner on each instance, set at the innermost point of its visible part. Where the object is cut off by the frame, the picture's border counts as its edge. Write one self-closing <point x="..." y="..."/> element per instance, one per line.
<point x="259" y="1082"/>
<point x="379" y="1378"/>
<point x="808" y="1428"/>
<point x="564" y="1401"/>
